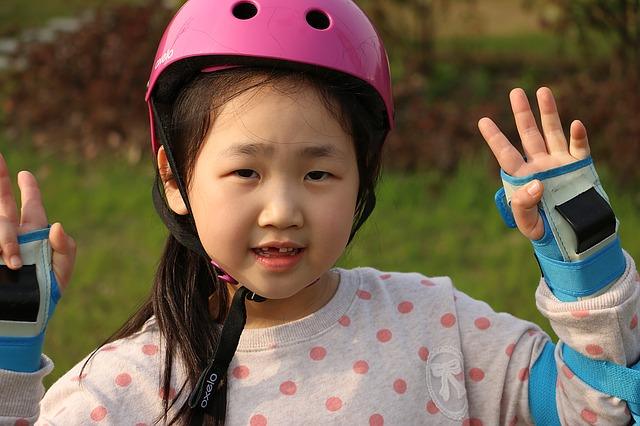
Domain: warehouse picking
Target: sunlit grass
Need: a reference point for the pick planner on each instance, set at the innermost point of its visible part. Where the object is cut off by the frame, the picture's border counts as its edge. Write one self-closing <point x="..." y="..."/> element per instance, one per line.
<point x="423" y="222"/>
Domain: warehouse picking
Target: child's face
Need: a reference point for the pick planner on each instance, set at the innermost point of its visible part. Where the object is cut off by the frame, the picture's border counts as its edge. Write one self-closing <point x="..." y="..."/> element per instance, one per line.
<point x="275" y="168"/>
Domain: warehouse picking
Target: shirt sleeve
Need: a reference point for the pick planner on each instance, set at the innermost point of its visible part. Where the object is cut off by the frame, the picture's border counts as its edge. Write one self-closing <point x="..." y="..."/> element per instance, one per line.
<point x="20" y="394"/>
<point x="603" y="328"/>
<point x="500" y="350"/>
<point x="121" y="384"/>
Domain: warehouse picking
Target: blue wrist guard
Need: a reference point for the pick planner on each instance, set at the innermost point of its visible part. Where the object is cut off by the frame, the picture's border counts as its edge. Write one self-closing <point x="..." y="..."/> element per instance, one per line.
<point x="579" y="254"/>
<point x="28" y="297"/>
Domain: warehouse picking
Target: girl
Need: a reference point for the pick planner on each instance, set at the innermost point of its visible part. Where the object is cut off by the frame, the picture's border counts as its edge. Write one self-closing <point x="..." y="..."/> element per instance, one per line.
<point x="267" y="123"/>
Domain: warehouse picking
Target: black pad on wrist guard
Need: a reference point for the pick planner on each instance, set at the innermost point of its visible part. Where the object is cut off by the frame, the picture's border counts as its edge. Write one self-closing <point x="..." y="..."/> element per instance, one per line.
<point x="19" y="294"/>
<point x="590" y="216"/>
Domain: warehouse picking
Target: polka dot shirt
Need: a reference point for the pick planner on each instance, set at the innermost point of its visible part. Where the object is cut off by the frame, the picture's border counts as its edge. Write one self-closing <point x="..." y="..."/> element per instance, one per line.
<point x="389" y="348"/>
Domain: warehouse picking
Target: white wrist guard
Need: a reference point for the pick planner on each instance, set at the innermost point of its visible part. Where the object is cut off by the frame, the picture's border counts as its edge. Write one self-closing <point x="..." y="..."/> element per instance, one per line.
<point x="580" y="252"/>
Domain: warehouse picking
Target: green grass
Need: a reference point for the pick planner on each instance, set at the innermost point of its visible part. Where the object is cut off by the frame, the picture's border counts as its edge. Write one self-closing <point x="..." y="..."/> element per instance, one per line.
<point x="18" y="15"/>
<point x="422" y="223"/>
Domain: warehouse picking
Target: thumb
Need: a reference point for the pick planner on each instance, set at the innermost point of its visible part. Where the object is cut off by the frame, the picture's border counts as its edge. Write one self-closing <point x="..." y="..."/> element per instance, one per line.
<point x="524" y="204"/>
<point x="64" y="254"/>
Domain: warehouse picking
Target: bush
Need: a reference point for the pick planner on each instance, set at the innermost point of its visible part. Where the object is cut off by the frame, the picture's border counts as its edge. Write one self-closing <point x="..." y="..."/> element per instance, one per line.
<point x="84" y="90"/>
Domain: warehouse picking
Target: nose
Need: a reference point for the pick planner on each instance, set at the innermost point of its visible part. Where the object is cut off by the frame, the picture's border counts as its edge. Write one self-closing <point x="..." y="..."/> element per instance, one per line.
<point x="281" y="209"/>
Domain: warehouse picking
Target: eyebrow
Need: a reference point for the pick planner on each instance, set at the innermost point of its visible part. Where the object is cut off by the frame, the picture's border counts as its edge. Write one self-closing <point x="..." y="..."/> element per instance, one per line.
<point x="256" y="149"/>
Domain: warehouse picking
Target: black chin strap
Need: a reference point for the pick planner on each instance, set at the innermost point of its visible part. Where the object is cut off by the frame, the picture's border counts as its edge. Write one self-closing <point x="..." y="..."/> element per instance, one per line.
<point x="203" y="397"/>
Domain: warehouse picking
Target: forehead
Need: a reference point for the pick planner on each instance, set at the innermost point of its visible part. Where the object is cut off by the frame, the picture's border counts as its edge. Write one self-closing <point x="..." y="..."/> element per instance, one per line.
<point x="266" y="119"/>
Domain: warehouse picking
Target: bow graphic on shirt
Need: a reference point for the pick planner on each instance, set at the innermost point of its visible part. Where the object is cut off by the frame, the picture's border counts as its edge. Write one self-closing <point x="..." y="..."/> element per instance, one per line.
<point x="447" y="372"/>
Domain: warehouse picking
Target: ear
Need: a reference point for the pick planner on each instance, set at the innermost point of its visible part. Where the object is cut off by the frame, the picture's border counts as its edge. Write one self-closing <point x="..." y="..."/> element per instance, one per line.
<point x="174" y="198"/>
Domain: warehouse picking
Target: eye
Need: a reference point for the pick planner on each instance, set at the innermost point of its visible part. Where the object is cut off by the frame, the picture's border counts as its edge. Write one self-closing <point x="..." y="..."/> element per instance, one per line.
<point x="246" y="173"/>
<point x="318" y="175"/>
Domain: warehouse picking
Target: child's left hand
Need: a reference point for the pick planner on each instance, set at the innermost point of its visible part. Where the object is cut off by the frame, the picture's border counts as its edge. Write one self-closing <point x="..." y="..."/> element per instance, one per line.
<point x="542" y="152"/>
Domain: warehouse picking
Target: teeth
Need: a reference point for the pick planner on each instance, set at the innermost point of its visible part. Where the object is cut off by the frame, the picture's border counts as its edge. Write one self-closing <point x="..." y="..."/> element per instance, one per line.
<point x="268" y="251"/>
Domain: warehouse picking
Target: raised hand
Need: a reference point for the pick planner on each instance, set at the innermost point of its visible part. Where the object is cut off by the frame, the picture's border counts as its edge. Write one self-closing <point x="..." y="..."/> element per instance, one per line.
<point x="32" y="216"/>
<point x="543" y="151"/>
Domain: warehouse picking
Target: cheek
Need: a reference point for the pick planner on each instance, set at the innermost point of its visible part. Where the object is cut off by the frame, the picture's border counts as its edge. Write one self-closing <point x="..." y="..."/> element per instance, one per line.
<point x="219" y="219"/>
<point x="337" y="216"/>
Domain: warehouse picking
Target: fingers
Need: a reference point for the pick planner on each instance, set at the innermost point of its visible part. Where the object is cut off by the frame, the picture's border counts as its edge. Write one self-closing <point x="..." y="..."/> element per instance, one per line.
<point x="551" y="125"/>
<point x="524" y="205"/>
<point x="8" y="209"/>
<point x="8" y="220"/>
<point x="578" y="142"/>
<point x="507" y="155"/>
<point x="9" y="244"/>
<point x="64" y="254"/>
<point x="532" y="141"/>
<point x="33" y="215"/>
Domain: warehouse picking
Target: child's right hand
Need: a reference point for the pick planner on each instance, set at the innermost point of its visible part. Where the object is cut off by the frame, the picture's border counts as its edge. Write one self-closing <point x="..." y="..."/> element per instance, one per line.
<point x="32" y="217"/>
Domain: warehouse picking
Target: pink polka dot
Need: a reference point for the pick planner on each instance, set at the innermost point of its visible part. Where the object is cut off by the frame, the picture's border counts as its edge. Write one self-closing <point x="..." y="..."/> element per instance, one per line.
<point x="594" y="350"/>
<point x="567" y="372"/>
<point x="98" y="413"/>
<point x="476" y="374"/>
<point x="123" y="379"/>
<point x="384" y="335"/>
<point x="78" y="378"/>
<point x="288" y="388"/>
<point x="21" y="422"/>
<point x="141" y="424"/>
<point x="363" y="294"/>
<point x="514" y="421"/>
<point x="589" y="416"/>
<point x="432" y="408"/>
<point x="376" y="420"/>
<point x="150" y="349"/>
<point x="459" y="377"/>
<point x="448" y="320"/>
<point x="427" y="283"/>
<point x="241" y="372"/>
<point x="580" y="314"/>
<point x="472" y="422"/>
<point x="344" y="321"/>
<point x="423" y="353"/>
<point x="400" y="386"/>
<point x="334" y="403"/>
<point x="317" y="353"/>
<point x="509" y="349"/>
<point x="258" y="420"/>
<point x="405" y="307"/>
<point x="108" y="348"/>
<point x="361" y="367"/>
<point x="170" y="397"/>
<point x="385" y="276"/>
<point x="523" y="374"/>
<point x="482" y="323"/>
<point x="634" y="322"/>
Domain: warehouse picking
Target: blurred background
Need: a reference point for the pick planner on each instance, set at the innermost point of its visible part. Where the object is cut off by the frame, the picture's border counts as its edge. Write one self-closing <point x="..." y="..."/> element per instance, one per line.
<point x="72" y="82"/>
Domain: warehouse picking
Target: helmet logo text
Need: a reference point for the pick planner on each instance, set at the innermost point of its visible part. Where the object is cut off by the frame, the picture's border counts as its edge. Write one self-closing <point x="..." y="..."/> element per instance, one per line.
<point x="164" y="58"/>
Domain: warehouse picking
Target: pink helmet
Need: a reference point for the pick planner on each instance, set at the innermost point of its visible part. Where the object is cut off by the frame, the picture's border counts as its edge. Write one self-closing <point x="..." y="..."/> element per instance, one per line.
<point x="332" y="34"/>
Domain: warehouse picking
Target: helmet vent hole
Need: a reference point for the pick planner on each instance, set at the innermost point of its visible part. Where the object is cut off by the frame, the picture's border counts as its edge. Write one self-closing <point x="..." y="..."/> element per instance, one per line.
<point x="318" y="19"/>
<point x="245" y="10"/>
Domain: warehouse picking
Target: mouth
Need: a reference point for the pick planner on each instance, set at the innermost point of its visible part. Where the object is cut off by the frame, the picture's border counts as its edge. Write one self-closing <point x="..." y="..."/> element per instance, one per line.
<point x="271" y="252"/>
<point x="278" y="259"/>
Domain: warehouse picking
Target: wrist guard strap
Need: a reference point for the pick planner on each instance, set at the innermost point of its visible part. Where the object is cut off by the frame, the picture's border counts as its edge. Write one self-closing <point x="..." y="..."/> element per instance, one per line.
<point x="579" y="253"/>
<point x="28" y="297"/>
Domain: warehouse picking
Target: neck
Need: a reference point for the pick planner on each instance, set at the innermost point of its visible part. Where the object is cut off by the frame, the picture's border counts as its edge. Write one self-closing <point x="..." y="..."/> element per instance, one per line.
<point x="274" y="312"/>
